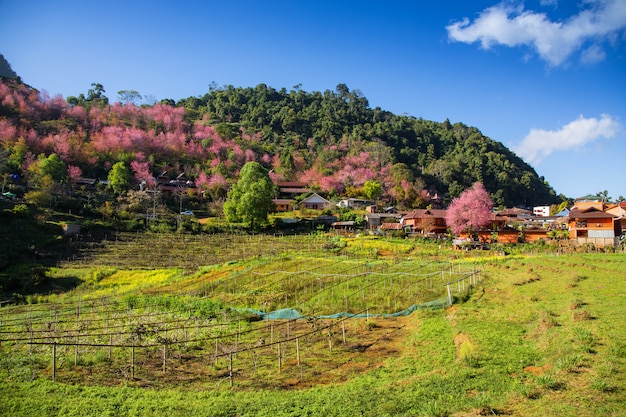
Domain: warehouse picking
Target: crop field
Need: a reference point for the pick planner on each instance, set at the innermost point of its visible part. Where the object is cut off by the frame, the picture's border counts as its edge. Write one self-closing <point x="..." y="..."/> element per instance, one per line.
<point x="320" y="325"/>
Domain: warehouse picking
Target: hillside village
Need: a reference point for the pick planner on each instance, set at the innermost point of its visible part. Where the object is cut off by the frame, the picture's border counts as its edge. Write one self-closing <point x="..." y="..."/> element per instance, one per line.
<point x="590" y="221"/>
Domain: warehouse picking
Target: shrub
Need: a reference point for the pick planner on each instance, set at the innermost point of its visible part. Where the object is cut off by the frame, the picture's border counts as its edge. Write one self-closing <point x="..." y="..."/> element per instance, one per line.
<point x="602" y="385"/>
<point x="435" y="409"/>
<point x="548" y="381"/>
<point x="583" y="335"/>
<point x="20" y="210"/>
<point x="569" y="363"/>
<point x="530" y="392"/>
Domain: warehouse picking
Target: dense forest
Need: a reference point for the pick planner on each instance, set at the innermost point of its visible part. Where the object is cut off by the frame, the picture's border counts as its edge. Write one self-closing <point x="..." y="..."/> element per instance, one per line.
<point x="333" y="141"/>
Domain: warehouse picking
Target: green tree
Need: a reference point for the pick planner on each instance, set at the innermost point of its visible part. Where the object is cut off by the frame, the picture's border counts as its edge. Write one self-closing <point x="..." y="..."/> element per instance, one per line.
<point x="372" y="190"/>
<point x="53" y="167"/>
<point x="287" y="165"/>
<point x="95" y="96"/>
<point x="119" y="178"/>
<point x="250" y="199"/>
<point x="129" y="97"/>
<point x="604" y="196"/>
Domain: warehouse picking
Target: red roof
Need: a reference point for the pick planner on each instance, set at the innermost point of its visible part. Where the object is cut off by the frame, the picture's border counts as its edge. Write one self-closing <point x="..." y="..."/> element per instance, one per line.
<point x="589" y="214"/>
<point x="421" y="213"/>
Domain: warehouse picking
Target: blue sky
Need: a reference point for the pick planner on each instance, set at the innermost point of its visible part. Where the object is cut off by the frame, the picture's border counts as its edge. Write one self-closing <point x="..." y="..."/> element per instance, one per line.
<point x="547" y="78"/>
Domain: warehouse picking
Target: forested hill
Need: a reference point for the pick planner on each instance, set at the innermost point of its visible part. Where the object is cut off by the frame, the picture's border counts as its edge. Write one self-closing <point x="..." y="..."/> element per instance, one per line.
<point x="332" y="140"/>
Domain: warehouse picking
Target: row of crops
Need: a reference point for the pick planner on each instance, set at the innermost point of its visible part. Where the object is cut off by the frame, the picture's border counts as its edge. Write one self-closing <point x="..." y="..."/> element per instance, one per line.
<point x="188" y="252"/>
<point x="223" y="323"/>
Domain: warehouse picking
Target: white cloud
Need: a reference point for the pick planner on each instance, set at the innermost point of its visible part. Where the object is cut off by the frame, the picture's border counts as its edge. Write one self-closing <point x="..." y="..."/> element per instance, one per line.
<point x="540" y="143"/>
<point x="554" y="41"/>
<point x="592" y="55"/>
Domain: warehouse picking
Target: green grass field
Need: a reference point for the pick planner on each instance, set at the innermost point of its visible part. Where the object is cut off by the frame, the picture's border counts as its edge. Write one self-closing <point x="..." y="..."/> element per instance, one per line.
<point x="539" y="335"/>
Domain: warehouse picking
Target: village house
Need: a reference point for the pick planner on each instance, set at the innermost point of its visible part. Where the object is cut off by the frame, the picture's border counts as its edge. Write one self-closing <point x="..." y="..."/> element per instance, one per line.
<point x="590" y="225"/>
<point x="589" y="201"/>
<point x="515" y="214"/>
<point x="344" y="226"/>
<point x="433" y="197"/>
<point x="354" y="203"/>
<point x="619" y="211"/>
<point x="426" y="222"/>
<point x="314" y="202"/>
<point x="282" y="205"/>
<point x="541" y="211"/>
<point x="290" y="189"/>
<point x="375" y="220"/>
<point x="181" y="183"/>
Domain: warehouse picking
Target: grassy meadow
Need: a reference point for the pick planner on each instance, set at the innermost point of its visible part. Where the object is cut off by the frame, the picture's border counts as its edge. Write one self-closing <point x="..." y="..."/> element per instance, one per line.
<point x="537" y="334"/>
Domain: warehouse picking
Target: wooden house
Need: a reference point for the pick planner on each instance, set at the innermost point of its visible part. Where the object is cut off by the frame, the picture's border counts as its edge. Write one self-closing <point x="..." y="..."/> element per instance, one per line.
<point x="589" y="201"/>
<point x="287" y="189"/>
<point x="375" y="220"/>
<point x="180" y="184"/>
<point x="345" y="226"/>
<point x="535" y="233"/>
<point x="314" y="202"/>
<point x="515" y="214"/>
<point x="354" y="203"/>
<point x="282" y="205"/>
<point x="619" y="211"/>
<point x="426" y="221"/>
<point x="594" y="226"/>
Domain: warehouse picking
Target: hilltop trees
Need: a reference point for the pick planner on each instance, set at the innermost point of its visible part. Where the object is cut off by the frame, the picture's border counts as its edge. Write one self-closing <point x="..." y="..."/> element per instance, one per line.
<point x="470" y="210"/>
<point x="332" y="141"/>
<point x="250" y="199"/>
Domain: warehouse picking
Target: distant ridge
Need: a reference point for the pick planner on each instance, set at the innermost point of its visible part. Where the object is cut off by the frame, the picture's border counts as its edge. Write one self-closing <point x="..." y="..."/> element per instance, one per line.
<point x="5" y="68"/>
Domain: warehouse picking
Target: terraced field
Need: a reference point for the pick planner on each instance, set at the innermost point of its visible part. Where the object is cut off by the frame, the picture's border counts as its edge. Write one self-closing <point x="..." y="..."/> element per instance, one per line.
<point x="321" y="325"/>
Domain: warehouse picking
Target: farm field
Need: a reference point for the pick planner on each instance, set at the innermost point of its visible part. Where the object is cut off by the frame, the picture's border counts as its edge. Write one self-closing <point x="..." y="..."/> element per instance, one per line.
<point x="318" y="325"/>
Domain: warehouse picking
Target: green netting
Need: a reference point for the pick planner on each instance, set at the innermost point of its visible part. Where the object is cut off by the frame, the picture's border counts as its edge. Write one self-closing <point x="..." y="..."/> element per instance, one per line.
<point x="292" y="314"/>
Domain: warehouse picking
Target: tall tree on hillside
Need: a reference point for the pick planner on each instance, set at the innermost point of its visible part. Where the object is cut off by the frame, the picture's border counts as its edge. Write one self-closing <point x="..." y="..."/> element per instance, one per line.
<point x="250" y="199"/>
<point x="129" y="97"/>
<point x="119" y="178"/>
<point x="470" y="210"/>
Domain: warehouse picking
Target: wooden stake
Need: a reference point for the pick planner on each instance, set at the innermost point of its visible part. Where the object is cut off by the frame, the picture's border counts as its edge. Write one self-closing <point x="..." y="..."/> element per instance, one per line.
<point x="54" y="361"/>
<point x="330" y="341"/>
<point x="230" y="368"/>
<point x="298" y="355"/>
<point x="164" y="357"/>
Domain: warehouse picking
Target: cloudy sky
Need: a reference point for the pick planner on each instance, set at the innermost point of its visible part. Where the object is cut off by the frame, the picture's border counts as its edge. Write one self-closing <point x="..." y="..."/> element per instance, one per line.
<point x="547" y="78"/>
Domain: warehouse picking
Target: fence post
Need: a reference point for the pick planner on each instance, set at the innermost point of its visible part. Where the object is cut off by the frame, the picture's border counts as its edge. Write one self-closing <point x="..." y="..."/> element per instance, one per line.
<point x="230" y="368"/>
<point x="164" y="358"/>
<point x="54" y="361"/>
<point x="449" y="294"/>
<point x="132" y="362"/>
<point x="298" y="355"/>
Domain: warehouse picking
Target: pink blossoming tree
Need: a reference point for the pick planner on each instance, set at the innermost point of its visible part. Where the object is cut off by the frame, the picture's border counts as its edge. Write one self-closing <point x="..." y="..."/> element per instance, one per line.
<point x="470" y="210"/>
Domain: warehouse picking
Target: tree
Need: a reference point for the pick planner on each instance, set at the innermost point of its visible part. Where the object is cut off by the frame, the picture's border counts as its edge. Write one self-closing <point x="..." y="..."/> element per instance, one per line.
<point x="129" y="97"/>
<point x="372" y="190"/>
<point x="53" y="167"/>
<point x="119" y="178"/>
<point x="250" y="199"/>
<point x="95" y="96"/>
<point x="604" y="196"/>
<point x="470" y="210"/>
